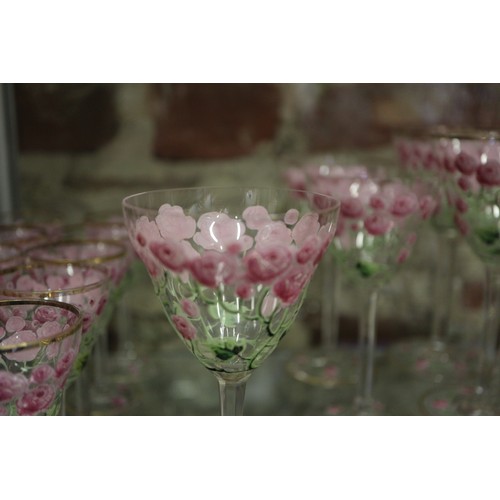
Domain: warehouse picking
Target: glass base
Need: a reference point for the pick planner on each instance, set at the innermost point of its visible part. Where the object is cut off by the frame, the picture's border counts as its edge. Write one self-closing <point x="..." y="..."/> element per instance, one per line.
<point x="325" y="369"/>
<point x="435" y="363"/>
<point x="459" y="401"/>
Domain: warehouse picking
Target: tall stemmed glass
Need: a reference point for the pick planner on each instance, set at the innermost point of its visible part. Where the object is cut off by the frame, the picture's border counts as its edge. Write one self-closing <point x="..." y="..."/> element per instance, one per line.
<point x="472" y="161"/>
<point x="432" y="359"/>
<point x="85" y="287"/>
<point x="39" y="342"/>
<point x="378" y="227"/>
<point x="230" y="267"/>
<point x="326" y="365"/>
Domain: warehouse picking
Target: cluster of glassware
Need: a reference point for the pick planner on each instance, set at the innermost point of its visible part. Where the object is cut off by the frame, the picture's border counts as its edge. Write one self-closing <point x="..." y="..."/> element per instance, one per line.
<point x="231" y="267"/>
<point x="49" y="276"/>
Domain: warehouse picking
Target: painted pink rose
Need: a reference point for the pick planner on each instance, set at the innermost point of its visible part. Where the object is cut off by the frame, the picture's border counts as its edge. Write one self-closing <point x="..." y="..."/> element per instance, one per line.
<point x="245" y="291"/>
<point x="291" y="216"/>
<point x="213" y="268"/>
<point x="326" y="239"/>
<point x="56" y="282"/>
<point x="169" y="253"/>
<point x="267" y="262"/>
<point x="152" y="267"/>
<point x="184" y="327"/>
<point x="274" y="233"/>
<point x="378" y="224"/>
<point x="351" y="208"/>
<point x="190" y="308"/>
<point x="403" y="255"/>
<point x="48" y="329"/>
<point x="377" y="202"/>
<point x="489" y="173"/>
<point x="173" y="224"/>
<point x="256" y="217"/>
<point x="45" y="313"/>
<point x="309" y="250"/>
<point x="290" y="286"/>
<point x="307" y="225"/>
<point x="146" y="231"/>
<point x="14" y="324"/>
<point x="428" y="206"/>
<point x="27" y="283"/>
<point x="27" y="354"/>
<point x="404" y="205"/>
<point x="65" y="363"/>
<point x="42" y="373"/>
<point x="37" y="400"/>
<point x="218" y="231"/>
<point x="295" y="178"/>
<point x="12" y="385"/>
<point x="466" y="163"/>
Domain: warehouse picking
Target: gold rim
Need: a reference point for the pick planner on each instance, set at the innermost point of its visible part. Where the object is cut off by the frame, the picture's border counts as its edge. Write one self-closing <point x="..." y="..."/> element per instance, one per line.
<point x="51" y="294"/>
<point x="120" y="252"/>
<point x="48" y="340"/>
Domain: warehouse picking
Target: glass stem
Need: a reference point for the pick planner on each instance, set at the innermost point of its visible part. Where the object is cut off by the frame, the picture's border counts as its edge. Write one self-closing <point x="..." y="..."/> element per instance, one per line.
<point x="442" y="282"/>
<point x="330" y="300"/>
<point x="231" y="395"/>
<point x="489" y="334"/>
<point x="367" y="341"/>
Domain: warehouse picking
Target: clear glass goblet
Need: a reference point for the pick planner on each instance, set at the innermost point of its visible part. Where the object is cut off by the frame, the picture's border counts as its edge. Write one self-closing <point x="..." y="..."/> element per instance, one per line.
<point x="230" y="267"/>
<point x="39" y="342"/>
<point x="378" y="226"/>
<point x="327" y="365"/>
<point x="111" y="255"/>
<point x="472" y="162"/>
<point x="85" y="287"/>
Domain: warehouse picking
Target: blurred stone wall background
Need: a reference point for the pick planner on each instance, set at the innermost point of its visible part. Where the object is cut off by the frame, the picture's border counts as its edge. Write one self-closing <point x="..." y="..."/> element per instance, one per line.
<point x="83" y="147"/>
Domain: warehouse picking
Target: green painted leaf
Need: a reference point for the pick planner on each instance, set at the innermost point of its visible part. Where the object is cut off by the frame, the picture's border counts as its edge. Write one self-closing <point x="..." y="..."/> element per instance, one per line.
<point x="367" y="269"/>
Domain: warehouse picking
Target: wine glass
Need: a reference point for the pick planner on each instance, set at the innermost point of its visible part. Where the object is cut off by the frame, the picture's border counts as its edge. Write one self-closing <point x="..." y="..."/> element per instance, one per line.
<point x="85" y="287"/>
<point x="230" y="266"/>
<point x="377" y="228"/>
<point x="434" y="359"/>
<point x="39" y="342"/>
<point x="472" y="162"/>
<point x="112" y="256"/>
<point x="327" y="365"/>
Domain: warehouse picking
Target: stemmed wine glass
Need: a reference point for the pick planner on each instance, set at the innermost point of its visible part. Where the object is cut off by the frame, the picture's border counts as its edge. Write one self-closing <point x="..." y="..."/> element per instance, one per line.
<point x="472" y="162"/>
<point x="326" y="365"/>
<point x="39" y="342"/>
<point x="112" y="256"/>
<point x="85" y="287"/>
<point x="377" y="229"/>
<point x="432" y="359"/>
<point x="230" y="266"/>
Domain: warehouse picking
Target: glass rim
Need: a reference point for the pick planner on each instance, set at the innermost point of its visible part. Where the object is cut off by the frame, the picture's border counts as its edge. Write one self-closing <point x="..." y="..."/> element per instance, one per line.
<point x="84" y="261"/>
<point x="49" y="293"/>
<point x="127" y="201"/>
<point x="58" y="337"/>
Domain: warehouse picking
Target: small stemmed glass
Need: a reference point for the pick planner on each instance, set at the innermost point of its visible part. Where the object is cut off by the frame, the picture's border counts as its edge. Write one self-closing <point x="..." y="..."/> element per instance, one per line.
<point x="472" y="162"/>
<point x="378" y="226"/>
<point x="112" y="256"/>
<point x="39" y="342"/>
<point x="231" y="267"/>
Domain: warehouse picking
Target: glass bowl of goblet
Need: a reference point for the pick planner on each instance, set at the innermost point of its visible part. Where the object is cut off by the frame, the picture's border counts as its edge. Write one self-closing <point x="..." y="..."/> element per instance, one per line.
<point x="230" y="266"/>
<point x="85" y="287"/>
<point x="39" y="342"/>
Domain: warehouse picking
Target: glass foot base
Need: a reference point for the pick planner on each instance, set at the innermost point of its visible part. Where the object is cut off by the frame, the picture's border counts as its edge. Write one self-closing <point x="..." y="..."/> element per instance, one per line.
<point x="323" y="369"/>
<point x="459" y="401"/>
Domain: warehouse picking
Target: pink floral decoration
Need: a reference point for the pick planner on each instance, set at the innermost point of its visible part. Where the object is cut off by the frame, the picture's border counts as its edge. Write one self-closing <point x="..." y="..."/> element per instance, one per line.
<point x="35" y="401"/>
<point x="169" y="253"/>
<point x="378" y="224"/>
<point x="184" y="327"/>
<point x="212" y="268"/>
<point x="256" y="217"/>
<point x="65" y="363"/>
<point x="466" y="163"/>
<point x="403" y="205"/>
<point x="309" y="250"/>
<point x="27" y="354"/>
<point x="351" y="208"/>
<point x="489" y="173"/>
<point x="290" y="286"/>
<point x="190" y="308"/>
<point x="45" y="313"/>
<point x="267" y="262"/>
<point x="14" y="324"/>
<point x="274" y="233"/>
<point x="42" y="373"/>
<point x="306" y="226"/>
<point x="172" y="223"/>
<point x="291" y="216"/>
<point x="12" y="385"/>
<point x="218" y="231"/>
